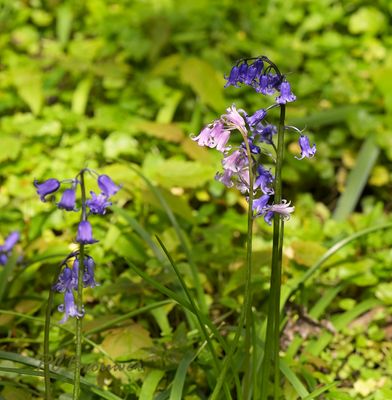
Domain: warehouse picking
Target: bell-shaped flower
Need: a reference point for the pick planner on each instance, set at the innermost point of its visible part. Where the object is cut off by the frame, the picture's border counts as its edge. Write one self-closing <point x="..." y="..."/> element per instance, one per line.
<point x="225" y="178"/>
<point x="286" y="96"/>
<point x="47" y="187"/>
<point x="10" y="242"/>
<point x="108" y="187"/>
<point x="68" y="200"/>
<point x="69" y="307"/>
<point x="232" y="80"/>
<point x="98" y="204"/>
<point x="64" y="281"/>
<point x="3" y="259"/>
<point x="283" y="209"/>
<point x="235" y="161"/>
<point x="306" y="150"/>
<point x="88" y="276"/>
<point x="204" y="138"/>
<point x="259" y="204"/>
<point x="256" y="118"/>
<point x="85" y="233"/>
<point x="264" y="180"/>
<point x="242" y="72"/>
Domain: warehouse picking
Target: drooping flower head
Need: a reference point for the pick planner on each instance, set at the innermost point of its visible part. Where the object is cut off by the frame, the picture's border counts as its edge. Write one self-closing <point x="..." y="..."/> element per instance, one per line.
<point x="306" y="150"/>
<point x="108" y="187"/>
<point x="85" y="233"/>
<point x="69" y="307"/>
<point x="6" y="248"/>
<point x="68" y="200"/>
<point x="47" y="187"/>
<point x="286" y="96"/>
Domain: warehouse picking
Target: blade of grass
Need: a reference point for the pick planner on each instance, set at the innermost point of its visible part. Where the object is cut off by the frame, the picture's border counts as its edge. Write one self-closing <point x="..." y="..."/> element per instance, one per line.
<point x="320" y="390"/>
<point x="150" y="384"/>
<point x="58" y="374"/>
<point x="182" y="238"/>
<point x="197" y="313"/>
<point x="6" y="273"/>
<point x="134" y="224"/>
<point x="357" y="179"/>
<point x="293" y="379"/>
<point x="179" y="378"/>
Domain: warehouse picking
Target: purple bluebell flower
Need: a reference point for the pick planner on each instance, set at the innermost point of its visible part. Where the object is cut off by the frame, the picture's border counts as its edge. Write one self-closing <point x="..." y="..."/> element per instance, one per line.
<point x="243" y="72"/>
<point x="264" y="180"/>
<point x="256" y="118"/>
<point x="233" y="119"/>
<point x="232" y="80"/>
<point x="236" y="161"/>
<point x="260" y="204"/>
<point x="47" y="187"/>
<point x="268" y="84"/>
<point x="88" y="276"/>
<point x="10" y="242"/>
<point x="283" y="209"/>
<point x="108" y="187"/>
<point x="69" y="307"/>
<point x="286" y="96"/>
<point x="98" y="204"/>
<point x="3" y="259"/>
<point x="253" y="72"/>
<point x="204" y="138"/>
<point x="225" y="178"/>
<point x="306" y="150"/>
<point x="266" y="132"/>
<point x="64" y="281"/>
<point x="85" y="233"/>
<point x="242" y="183"/>
<point x="68" y="200"/>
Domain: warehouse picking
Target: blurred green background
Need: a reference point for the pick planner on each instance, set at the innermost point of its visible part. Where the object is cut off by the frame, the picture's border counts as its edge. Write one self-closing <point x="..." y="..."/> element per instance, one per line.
<point x="118" y="85"/>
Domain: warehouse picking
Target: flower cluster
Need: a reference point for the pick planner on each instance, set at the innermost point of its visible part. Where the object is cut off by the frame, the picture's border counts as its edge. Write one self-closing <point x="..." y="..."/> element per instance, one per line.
<point x="7" y="246"/>
<point x="255" y="130"/>
<point x="96" y="204"/>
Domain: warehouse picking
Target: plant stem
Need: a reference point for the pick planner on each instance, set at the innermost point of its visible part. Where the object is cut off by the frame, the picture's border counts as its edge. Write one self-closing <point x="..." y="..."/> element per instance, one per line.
<point x="79" y="300"/>
<point x="246" y="310"/>
<point x="271" y="346"/>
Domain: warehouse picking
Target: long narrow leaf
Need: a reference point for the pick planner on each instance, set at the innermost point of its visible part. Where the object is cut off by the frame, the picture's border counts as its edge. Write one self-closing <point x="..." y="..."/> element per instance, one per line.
<point x="179" y="378"/>
<point x="293" y="379"/>
<point x="357" y="179"/>
<point x="150" y="384"/>
<point x="320" y="390"/>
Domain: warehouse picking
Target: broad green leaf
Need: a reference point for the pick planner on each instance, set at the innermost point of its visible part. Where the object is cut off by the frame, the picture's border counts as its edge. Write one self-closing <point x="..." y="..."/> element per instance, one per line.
<point x="205" y="82"/>
<point x="169" y="132"/>
<point x="150" y="384"/>
<point x="127" y="343"/>
<point x="80" y="96"/>
<point x="368" y="20"/>
<point x="28" y="82"/>
<point x="173" y="172"/>
<point x="64" y="23"/>
<point x="120" y="143"/>
<point x="10" y="147"/>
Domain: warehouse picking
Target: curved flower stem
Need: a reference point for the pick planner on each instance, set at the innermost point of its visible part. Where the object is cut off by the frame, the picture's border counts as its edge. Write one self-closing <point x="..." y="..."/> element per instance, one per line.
<point x="271" y="346"/>
<point x="79" y="299"/>
<point x="246" y="310"/>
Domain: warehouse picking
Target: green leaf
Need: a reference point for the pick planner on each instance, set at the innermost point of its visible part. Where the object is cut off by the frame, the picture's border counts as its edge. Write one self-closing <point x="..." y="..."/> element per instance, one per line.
<point x="357" y="179"/>
<point x="28" y="82"/>
<point x="10" y="147"/>
<point x="127" y="343"/>
<point x="150" y="384"/>
<point x="368" y="20"/>
<point x="176" y="392"/>
<point x="173" y="172"/>
<point x="205" y="82"/>
<point x="293" y="379"/>
<point x="120" y="143"/>
<point x="80" y="96"/>
<point x="64" y="24"/>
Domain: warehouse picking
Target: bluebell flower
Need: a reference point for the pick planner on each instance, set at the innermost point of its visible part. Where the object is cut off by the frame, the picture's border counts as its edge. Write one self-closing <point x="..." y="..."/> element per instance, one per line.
<point x="283" y="209"/>
<point x="204" y="138"/>
<point x="264" y="180"/>
<point x="47" y="187"/>
<point x="233" y="119"/>
<point x="88" y="276"/>
<point x="10" y="242"/>
<point x="256" y="118"/>
<point x="69" y="307"/>
<point x="3" y="259"/>
<point x="242" y="72"/>
<point x="64" y="281"/>
<point x="236" y="161"/>
<point x="306" y="150"/>
<point x="268" y="84"/>
<point x="108" y="187"/>
<point x="232" y="80"/>
<point x="98" y="204"/>
<point x="254" y="72"/>
<point x="259" y="204"/>
<point x="68" y="200"/>
<point x="85" y="233"/>
<point x="264" y="133"/>
<point x="225" y="178"/>
<point x="286" y="95"/>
